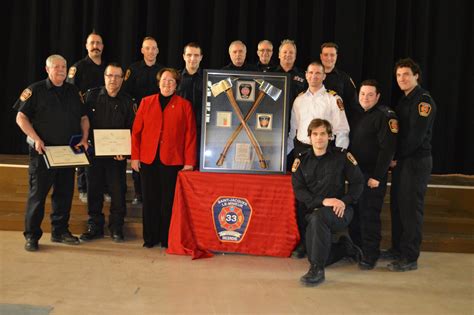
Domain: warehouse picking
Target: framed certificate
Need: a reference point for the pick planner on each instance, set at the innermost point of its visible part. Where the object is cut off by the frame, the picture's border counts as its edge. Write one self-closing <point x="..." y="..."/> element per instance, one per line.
<point x="64" y="156"/>
<point x="245" y="119"/>
<point x="112" y="142"/>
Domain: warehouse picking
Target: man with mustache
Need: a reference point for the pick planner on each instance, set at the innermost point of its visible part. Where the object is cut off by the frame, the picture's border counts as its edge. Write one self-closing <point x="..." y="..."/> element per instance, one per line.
<point x="86" y="74"/>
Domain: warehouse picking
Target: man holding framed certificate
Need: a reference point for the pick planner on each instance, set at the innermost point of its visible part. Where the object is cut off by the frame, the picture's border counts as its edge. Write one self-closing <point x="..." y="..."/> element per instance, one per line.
<point x="50" y="112"/>
<point x="111" y="116"/>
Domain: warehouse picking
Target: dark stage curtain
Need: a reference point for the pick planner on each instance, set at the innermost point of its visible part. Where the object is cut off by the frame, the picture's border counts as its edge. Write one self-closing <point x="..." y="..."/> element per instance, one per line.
<point x="372" y="35"/>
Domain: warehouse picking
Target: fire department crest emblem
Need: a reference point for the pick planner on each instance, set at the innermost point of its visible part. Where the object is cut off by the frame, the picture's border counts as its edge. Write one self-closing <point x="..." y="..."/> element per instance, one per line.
<point x="231" y="218"/>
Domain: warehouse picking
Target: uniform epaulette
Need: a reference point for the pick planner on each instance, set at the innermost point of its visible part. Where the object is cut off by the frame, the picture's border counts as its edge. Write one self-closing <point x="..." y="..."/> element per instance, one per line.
<point x="426" y="97"/>
<point x="332" y="92"/>
<point x="387" y="111"/>
<point x="91" y="92"/>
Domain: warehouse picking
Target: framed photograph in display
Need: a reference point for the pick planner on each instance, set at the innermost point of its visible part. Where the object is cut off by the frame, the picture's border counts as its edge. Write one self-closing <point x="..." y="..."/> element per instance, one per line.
<point x="245" y="119"/>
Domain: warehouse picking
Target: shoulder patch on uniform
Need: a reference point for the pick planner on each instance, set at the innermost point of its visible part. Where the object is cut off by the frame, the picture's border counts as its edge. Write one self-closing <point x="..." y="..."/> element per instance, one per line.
<point x="127" y="74"/>
<point x="340" y="104"/>
<point x="72" y="72"/>
<point x="393" y="125"/>
<point x="295" y="165"/>
<point x="351" y="158"/>
<point x="424" y="109"/>
<point x="26" y="94"/>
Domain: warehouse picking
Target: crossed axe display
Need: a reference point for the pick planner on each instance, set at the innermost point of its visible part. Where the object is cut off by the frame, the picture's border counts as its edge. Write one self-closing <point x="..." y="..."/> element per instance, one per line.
<point x="265" y="88"/>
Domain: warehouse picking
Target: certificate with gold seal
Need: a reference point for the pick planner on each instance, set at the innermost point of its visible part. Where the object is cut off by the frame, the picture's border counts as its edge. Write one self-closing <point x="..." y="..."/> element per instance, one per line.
<point x="112" y="142"/>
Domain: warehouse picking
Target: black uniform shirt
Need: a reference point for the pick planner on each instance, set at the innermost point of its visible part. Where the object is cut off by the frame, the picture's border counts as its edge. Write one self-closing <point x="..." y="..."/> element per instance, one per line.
<point x="373" y="139"/>
<point x="106" y="112"/>
<point x="191" y="89"/>
<point x="342" y="84"/>
<point x="320" y="177"/>
<point x="265" y="68"/>
<point x="85" y="74"/>
<point x="298" y="83"/>
<point x="140" y="80"/>
<point x="416" y="113"/>
<point x="244" y="67"/>
<point x="54" y="112"/>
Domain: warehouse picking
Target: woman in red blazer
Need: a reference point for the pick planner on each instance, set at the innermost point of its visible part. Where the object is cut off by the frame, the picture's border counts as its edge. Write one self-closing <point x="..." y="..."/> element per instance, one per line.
<point x="163" y="143"/>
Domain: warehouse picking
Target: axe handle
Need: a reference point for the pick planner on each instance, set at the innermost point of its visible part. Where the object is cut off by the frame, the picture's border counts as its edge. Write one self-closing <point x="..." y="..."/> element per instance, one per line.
<point x="254" y="142"/>
<point x="236" y="132"/>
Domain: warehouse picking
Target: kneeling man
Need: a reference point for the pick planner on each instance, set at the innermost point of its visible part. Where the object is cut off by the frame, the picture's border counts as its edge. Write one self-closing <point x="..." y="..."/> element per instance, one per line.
<point x="319" y="176"/>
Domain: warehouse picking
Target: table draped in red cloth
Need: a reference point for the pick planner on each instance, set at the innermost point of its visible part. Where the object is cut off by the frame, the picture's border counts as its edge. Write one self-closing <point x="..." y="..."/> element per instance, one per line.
<point x="271" y="228"/>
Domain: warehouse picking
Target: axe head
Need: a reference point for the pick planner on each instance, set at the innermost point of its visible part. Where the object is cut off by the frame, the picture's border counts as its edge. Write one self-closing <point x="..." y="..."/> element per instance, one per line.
<point x="221" y="86"/>
<point x="269" y="89"/>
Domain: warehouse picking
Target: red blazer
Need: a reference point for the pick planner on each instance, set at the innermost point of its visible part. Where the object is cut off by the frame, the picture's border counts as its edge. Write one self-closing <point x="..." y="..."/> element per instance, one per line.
<point x="174" y="129"/>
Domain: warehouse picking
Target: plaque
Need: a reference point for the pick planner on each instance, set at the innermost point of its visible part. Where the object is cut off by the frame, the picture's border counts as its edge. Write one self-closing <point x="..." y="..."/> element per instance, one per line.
<point x="64" y="156"/>
<point x="245" y="119"/>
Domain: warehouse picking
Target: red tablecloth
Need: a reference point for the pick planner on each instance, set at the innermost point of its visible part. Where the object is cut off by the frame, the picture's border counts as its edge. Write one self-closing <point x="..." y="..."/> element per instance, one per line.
<point x="202" y="199"/>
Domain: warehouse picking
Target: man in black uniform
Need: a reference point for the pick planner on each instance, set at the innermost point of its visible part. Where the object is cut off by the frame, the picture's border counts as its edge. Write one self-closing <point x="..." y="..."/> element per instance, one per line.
<point x="298" y="84"/>
<point x="109" y="108"/>
<point x="264" y="53"/>
<point x="237" y="54"/>
<point x="50" y="112"/>
<point x="140" y="81"/>
<point x="416" y="112"/>
<point x="319" y="176"/>
<point x="191" y="85"/>
<point x="372" y="141"/>
<point x="338" y="80"/>
<point x="86" y="74"/>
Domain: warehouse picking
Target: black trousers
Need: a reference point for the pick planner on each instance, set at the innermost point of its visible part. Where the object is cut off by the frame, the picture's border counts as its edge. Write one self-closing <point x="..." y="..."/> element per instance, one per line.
<point x="158" y="185"/>
<point x="137" y="185"/>
<point x="366" y="227"/>
<point x="106" y="172"/>
<point x="322" y="224"/>
<point x="41" y="179"/>
<point x="407" y="198"/>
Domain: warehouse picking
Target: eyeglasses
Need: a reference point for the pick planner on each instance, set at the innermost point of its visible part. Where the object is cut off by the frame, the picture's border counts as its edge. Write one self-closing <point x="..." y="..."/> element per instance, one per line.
<point x="114" y="76"/>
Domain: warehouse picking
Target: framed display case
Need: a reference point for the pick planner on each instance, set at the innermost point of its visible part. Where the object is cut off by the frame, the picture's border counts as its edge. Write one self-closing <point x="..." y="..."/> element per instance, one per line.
<point x="244" y="122"/>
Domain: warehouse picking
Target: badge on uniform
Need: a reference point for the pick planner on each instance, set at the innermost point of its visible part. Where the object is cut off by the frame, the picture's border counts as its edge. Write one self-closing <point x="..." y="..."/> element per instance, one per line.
<point x="72" y="72"/>
<point x="26" y="94"/>
<point x="340" y="104"/>
<point x="295" y="165"/>
<point x="351" y="158"/>
<point x="393" y="125"/>
<point x="424" y="109"/>
<point x="127" y="74"/>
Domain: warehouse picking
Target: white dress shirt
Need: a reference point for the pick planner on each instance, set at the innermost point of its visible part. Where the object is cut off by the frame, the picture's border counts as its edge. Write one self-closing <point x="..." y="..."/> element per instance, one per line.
<point x="323" y="105"/>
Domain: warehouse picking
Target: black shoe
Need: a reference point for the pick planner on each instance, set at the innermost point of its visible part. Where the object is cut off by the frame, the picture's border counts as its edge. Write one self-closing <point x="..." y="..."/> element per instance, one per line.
<point x="137" y="200"/>
<point x="299" y="252"/>
<point x="366" y="265"/>
<point x="314" y="276"/>
<point x="66" y="238"/>
<point x="402" y="265"/>
<point x="148" y="245"/>
<point x="390" y="254"/>
<point x="117" y="236"/>
<point x="92" y="234"/>
<point x="31" y="245"/>
<point x="352" y="250"/>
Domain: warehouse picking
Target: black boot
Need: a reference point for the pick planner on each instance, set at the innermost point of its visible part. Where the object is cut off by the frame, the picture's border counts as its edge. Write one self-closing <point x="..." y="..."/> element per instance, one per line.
<point x="390" y="254"/>
<point x="314" y="276"/>
<point x="92" y="233"/>
<point x="299" y="252"/>
<point x="402" y="265"/>
<point x="352" y="250"/>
